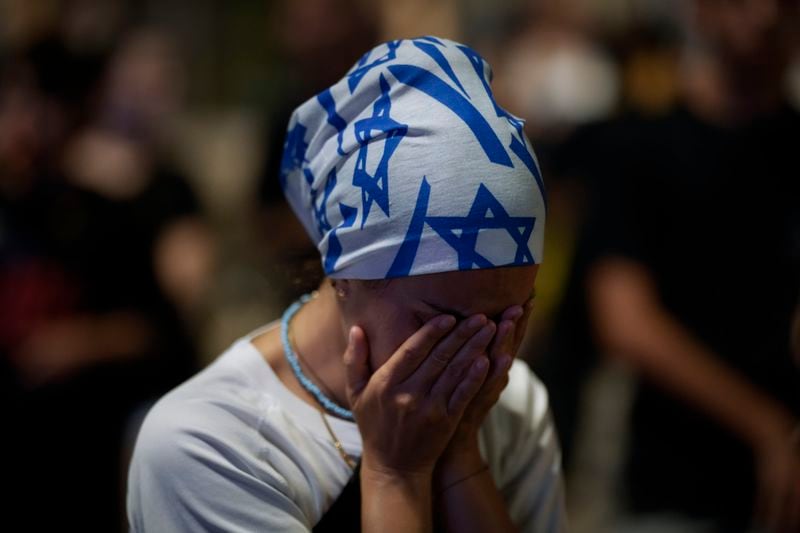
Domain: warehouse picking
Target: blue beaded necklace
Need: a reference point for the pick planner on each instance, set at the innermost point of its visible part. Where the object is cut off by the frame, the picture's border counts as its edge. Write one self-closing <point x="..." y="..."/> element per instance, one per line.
<point x="307" y="384"/>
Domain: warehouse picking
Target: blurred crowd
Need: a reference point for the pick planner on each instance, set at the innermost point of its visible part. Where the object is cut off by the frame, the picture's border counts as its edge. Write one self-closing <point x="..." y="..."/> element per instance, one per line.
<point x="142" y="229"/>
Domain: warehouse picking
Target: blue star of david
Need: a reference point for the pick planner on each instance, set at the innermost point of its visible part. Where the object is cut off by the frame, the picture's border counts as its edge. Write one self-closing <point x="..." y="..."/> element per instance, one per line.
<point x="461" y="233"/>
<point x="294" y="151"/>
<point x="325" y="99"/>
<point x="334" y="245"/>
<point x="362" y="67"/>
<point x="320" y="209"/>
<point x="375" y="188"/>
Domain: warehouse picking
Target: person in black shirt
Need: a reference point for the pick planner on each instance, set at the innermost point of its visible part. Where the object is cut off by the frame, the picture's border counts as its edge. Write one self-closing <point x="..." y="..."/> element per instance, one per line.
<point x="689" y="270"/>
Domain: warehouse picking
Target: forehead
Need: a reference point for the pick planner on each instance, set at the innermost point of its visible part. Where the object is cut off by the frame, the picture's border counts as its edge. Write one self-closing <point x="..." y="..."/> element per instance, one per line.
<point x="467" y="292"/>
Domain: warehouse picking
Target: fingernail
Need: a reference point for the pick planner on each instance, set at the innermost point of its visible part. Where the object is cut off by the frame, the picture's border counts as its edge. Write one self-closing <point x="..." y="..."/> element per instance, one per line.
<point x="476" y="321"/>
<point x="516" y="313"/>
<point x="446" y="322"/>
<point x="351" y="338"/>
<point x="481" y="363"/>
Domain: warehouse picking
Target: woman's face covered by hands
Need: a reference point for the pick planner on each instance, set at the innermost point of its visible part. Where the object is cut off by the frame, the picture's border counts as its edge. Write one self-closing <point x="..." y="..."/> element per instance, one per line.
<point x="390" y="311"/>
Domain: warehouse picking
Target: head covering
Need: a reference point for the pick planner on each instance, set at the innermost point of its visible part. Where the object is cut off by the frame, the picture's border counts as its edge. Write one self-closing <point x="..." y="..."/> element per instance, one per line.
<point x="408" y="166"/>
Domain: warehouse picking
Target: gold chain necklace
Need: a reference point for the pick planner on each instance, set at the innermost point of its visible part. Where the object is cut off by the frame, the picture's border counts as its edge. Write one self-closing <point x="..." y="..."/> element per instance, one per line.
<point x="336" y="442"/>
<point x="347" y="459"/>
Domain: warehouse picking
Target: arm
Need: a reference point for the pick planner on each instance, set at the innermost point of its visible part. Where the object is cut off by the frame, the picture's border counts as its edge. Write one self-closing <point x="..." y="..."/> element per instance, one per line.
<point x="466" y="495"/>
<point x="528" y="488"/>
<point x="392" y="502"/>
<point x="190" y="471"/>
<point x="407" y="411"/>
<point x="633" y="325"/>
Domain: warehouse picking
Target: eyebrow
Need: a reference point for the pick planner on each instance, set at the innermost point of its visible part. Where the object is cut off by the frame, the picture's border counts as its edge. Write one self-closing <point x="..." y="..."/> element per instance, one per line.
<point x="461" y="316"/>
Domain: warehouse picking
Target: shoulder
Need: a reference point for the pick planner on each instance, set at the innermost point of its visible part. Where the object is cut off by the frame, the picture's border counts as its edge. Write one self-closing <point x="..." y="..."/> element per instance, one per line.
<point x="186" y="423"/>
<point x="525" y="393"/>
<point x="521" y="420"/>
<point x="202" y="459"/>
<point x="521" y="446"/>
<point x="220" y="404"/>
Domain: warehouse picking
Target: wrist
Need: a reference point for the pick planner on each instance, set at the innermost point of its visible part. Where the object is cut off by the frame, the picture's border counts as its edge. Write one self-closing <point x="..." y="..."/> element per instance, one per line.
<point x="408" y="494"/>
<point x="463" y="449"/>
<point x="455" y="465"/>
<point x="381" y="475"/>
<point x="462" y="480"/>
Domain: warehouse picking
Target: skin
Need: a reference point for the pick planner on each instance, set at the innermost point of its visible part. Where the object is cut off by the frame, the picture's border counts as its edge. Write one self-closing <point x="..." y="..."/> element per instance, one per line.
<point x="419" y="361"/>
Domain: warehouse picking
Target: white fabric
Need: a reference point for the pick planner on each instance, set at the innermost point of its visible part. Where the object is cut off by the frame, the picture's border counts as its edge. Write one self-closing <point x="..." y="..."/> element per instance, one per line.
<point x="232" y="449"/>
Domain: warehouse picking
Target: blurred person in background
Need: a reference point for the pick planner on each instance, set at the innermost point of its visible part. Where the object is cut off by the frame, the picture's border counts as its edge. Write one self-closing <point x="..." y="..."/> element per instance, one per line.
<point x="100" y="252"/>
<point x="688" y="270"/>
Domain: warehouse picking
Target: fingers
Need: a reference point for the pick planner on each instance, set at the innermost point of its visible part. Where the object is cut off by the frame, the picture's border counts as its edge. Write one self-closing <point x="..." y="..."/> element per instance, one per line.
<point x="445" y="351"/>
<point x="500" y="352"/>
<point x="437" y="357"/>
<point x="503" y="347"/>
<point x="501" y="356"/>
<point x="503" y="342"/>
<point x="405" y="361"/>
<point x="471" y="352"/>
<point x="496" y="378"/>
<point x="356" y="362"/>
<point x="521" y="325"/>
<point x="467" y="388"/>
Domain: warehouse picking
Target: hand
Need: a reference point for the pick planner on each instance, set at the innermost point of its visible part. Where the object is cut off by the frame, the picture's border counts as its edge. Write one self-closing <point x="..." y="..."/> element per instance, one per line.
<point x="504" y="347"/>
<point x="409" y="408"/>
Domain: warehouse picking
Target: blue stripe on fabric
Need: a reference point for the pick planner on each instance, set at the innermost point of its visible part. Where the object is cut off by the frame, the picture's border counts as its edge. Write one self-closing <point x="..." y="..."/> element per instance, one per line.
<point x="518" y="145"/>
<point x="325" y="98"/>
<point x="294" y="151"/>
<point x="404" y="260"/>
<point x="437" y="89"/>
<point x="355" y="77"/>
<point x="527" y="159"/>
<point x="437" y="56"/>
<point x="321" y="210"/>
<point x="430" y="38"/>
<point x="375" y="188"/>
<point x="334" y="245"/>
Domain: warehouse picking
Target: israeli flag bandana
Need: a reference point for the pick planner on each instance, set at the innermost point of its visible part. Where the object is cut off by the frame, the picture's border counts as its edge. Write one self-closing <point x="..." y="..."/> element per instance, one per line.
<point x="408" y="166"/>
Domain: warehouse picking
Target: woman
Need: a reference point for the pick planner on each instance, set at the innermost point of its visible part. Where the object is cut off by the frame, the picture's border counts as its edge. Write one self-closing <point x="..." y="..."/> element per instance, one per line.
<point x="427" y="208"/>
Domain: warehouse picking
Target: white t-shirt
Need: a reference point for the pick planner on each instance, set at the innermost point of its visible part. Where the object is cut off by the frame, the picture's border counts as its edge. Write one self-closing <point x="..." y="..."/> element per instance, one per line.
<point x="232" y="449"/>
